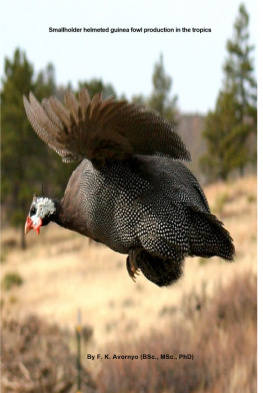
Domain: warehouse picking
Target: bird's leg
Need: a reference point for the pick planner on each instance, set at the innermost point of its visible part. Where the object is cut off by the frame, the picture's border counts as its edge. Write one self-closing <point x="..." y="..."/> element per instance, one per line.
<point x="132" y="264"/>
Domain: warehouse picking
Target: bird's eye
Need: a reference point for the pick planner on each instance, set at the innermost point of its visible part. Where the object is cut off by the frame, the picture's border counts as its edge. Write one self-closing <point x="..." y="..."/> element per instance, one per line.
<point x="33" y="211"/>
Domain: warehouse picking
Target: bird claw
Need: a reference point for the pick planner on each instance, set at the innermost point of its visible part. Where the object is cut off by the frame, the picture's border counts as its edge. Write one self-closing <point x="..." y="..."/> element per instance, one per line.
<point x="134" y="274"/>
<point x="132" y="265"/>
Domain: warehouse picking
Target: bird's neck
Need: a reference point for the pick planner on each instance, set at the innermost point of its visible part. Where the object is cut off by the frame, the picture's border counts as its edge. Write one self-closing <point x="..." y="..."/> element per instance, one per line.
<point x="70" y="218"/>
<point x="59" y="217"/>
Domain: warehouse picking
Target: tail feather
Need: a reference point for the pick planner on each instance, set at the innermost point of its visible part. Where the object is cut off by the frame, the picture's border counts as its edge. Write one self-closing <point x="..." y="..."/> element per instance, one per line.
<point x="160" y="271"/>
<point x="209" y="238"/>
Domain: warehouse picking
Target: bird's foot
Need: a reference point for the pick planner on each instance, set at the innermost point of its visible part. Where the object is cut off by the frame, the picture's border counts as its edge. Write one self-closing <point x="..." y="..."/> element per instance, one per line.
<point x="132" y="265"/>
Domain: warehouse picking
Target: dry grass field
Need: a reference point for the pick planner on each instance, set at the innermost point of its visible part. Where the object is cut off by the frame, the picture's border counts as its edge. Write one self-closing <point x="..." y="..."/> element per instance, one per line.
<point x="63" y="272"/>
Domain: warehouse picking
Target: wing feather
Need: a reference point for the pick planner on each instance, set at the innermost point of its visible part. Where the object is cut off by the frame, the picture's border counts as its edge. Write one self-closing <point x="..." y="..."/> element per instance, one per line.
<point x="73" y="105"/>
<point x="102" y="130"/>
<point x="60" y="111"/>
<point x="84" y="100"/>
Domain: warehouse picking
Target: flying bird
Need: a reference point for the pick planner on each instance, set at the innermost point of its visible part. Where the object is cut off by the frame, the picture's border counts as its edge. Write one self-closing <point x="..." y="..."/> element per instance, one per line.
<point x="130" y="191"/>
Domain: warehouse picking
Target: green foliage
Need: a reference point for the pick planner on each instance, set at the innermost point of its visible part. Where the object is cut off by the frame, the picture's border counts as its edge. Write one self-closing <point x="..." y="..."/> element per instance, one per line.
<point x="139" y="100"/>
<point x="95" y="86"/>
<point x="160" y="99"/>
<point x="239" y="71"/>
<point x="218" y="132"/>
<point x="20" y="159"/>
<point x="229" y="128"/>
<point x="239" y="66"/>
<point x="10" y="280"/>
<point x="45" y="83"/>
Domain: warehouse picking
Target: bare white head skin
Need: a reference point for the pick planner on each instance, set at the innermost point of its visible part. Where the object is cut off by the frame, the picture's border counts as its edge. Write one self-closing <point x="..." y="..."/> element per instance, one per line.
<point x="41" y="210"/>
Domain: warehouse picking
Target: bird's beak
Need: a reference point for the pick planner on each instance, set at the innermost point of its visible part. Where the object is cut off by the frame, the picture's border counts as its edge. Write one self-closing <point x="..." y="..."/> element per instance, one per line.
<point x="30" y="225"/>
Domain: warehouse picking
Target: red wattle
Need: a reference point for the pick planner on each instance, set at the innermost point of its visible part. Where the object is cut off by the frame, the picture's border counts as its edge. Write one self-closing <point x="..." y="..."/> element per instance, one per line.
<point x="37" y="227"/>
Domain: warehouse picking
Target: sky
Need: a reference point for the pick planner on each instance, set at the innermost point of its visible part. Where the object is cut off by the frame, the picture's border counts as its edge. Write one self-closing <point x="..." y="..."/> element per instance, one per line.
<point x="194" y="60"/>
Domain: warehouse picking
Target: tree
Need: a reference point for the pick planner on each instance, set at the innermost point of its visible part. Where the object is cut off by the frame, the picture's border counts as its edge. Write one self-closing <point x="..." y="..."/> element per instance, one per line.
<point x="239" y="79"/>
<point x="139" y="100"/>
<point x="235" y="116"/>
<point x="45" y="84"/>
<point x="160" y="99"/>
<point x="95" y="86"/>
<point x="239" y="67"/>
<point x="25" y="157"/>
<point x="218" y="161"/>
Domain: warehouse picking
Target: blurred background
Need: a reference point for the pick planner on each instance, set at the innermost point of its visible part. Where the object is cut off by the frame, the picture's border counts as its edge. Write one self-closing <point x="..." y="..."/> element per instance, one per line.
<point x="205" y="84"/>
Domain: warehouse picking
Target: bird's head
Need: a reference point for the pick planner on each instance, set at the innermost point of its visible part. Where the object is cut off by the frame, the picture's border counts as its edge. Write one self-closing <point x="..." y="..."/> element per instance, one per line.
<point x="41" y="212"/>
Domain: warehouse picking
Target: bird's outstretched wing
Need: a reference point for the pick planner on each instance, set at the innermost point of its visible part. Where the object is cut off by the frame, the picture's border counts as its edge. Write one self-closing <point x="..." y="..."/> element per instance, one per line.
<point x="101" y="129"/>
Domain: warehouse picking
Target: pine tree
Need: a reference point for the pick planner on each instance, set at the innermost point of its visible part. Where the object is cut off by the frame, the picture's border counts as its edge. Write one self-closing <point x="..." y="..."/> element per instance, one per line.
<point x="160" y="99"/>
<point x="229" y="127"/>
<point x="218" y="162"/>
<point x="45" y="84"/>
<point x="240" y="81"/>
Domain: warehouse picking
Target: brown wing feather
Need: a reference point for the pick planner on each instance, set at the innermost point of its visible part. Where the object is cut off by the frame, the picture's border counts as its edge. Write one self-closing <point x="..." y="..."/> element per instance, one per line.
<point x="101" y="129"/>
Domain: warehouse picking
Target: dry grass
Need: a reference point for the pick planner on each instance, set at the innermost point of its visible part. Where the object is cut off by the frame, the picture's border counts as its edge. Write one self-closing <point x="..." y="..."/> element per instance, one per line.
<point x="36" y="358"/>
<point x="221" y="336"/>
<point x="63" y="272"/>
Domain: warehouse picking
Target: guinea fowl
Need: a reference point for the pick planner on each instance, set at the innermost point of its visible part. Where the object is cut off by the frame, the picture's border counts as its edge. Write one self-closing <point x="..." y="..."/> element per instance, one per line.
<point x="129" y="191"/>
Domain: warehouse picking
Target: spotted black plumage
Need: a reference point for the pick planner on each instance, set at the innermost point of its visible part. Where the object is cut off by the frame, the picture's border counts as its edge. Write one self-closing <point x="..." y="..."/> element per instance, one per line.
<point x="129" y="192"/>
